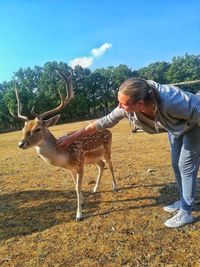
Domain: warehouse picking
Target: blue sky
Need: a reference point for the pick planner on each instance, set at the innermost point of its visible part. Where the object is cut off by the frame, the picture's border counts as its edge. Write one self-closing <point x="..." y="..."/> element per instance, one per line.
<point x="96" y="34"/>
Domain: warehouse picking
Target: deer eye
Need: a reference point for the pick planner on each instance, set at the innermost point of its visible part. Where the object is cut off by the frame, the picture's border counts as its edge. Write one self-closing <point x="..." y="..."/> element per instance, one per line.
<point x="38" y="130"/>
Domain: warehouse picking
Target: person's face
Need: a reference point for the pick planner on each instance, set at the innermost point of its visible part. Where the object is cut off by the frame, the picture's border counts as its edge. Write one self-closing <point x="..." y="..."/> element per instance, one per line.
<point x="127" y="104"/>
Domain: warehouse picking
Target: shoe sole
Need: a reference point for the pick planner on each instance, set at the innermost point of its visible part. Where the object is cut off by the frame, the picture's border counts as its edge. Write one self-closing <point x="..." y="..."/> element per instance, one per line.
<point x="177" y="226"/>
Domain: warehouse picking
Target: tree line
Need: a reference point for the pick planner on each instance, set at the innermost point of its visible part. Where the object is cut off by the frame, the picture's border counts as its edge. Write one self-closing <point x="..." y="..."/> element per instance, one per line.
<point x="95" y="92"/>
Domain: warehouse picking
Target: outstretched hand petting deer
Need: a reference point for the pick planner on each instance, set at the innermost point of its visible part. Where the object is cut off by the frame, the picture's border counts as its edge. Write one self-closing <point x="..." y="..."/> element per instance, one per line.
<point x="91" y="149"/>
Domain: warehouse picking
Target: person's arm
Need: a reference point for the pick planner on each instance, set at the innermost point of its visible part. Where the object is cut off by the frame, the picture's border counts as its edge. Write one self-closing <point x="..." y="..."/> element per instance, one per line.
<point x="111" y="119"/>
<point x="66" y="140"/>
<point x="107" y="121"/>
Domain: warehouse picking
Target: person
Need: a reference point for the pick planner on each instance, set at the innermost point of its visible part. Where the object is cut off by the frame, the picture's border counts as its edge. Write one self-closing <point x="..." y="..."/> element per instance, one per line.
<point x="156" y="108"/>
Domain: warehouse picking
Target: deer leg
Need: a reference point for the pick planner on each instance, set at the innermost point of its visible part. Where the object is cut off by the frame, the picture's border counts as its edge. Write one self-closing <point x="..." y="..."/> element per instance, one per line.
<point x="100" y="165"/>
<point x="74" y="175"/>
<point x="79" y="178"/>
<point x="107" y="157"/>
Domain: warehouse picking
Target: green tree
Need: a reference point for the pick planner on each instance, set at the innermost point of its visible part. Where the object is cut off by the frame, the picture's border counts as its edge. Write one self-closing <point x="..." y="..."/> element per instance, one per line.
<point x="95" y="92"/>
<point x="185" y="68"/>
<point x="155" y="71"/>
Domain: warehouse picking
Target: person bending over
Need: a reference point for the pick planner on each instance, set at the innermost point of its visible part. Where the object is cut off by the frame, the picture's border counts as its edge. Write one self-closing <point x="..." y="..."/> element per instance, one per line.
<point x="156" y="108"/>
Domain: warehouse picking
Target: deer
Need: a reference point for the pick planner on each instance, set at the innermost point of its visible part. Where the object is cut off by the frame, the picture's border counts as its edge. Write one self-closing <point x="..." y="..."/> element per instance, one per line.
<point x="91" y="149"/>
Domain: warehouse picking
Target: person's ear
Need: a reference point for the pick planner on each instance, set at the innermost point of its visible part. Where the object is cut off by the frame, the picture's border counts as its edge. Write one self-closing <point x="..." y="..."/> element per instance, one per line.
<point x="140" y="103"/>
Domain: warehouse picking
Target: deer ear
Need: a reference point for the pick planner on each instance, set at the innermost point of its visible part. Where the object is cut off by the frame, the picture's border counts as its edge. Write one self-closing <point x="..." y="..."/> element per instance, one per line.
<point x="52" y="121"/>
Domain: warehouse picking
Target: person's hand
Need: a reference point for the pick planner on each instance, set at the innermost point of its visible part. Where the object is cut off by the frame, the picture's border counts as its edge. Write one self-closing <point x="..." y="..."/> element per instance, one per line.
<point x="63" y="142"/>
<point x="66" y="140"/>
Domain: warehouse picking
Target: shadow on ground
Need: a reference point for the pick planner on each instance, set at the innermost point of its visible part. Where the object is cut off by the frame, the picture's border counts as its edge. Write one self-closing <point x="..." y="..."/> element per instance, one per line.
<point x="27" y="212"/>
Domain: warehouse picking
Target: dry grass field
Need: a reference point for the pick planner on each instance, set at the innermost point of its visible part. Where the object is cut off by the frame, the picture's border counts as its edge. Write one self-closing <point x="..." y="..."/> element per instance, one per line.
<point x="122" y="228"/>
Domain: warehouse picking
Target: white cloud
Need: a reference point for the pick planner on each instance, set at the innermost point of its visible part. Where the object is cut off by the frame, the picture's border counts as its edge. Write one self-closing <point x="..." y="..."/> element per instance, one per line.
<point x="96" y="52"/>
<point x="84" y="62"/>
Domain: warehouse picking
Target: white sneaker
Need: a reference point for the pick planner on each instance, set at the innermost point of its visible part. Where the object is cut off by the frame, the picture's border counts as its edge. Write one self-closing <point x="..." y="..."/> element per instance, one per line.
<point x="180" y="219"/>
<point x="173" y="207"/>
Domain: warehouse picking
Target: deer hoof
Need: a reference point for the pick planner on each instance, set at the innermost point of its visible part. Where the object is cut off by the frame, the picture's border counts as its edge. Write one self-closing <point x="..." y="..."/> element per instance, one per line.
<point x="114" y="187"/>
<point x="94" y="190"/>
<point x="78" y="219"/>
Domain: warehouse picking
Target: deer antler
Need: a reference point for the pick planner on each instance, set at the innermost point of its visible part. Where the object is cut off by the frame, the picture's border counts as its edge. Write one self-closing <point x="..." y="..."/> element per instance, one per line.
<point x="19" y="107"/>
<point x="64" y="100"/>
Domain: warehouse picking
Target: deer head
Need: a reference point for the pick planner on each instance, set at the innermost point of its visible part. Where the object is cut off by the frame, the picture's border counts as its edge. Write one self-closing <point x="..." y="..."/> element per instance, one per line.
<point x="35" y="131"/>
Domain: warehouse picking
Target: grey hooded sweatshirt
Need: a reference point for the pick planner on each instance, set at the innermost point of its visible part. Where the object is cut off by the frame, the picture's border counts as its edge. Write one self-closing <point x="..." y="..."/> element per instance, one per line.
<point x="177" y="112"/>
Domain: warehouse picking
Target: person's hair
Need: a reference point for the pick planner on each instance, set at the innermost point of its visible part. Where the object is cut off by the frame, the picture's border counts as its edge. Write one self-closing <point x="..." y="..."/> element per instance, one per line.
<point x="139" y="89"/>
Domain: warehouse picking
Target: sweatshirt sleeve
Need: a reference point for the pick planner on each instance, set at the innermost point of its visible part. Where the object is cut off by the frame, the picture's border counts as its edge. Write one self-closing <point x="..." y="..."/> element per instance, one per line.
<point x="111" y="119"/>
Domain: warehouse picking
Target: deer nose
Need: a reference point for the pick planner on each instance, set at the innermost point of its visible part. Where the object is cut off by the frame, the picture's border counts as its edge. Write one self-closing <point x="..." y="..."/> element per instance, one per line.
<point x="22" y="144"/>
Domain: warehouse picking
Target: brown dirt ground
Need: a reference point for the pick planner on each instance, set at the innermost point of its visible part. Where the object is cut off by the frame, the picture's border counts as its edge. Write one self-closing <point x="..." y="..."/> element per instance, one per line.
<point x="123" y="228"/>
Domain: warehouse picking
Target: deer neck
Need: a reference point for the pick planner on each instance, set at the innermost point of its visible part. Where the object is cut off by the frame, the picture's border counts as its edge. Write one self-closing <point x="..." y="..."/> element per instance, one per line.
<point x="46" y="150"/>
